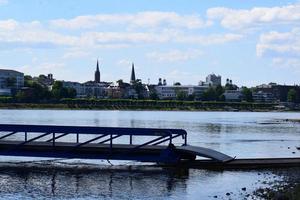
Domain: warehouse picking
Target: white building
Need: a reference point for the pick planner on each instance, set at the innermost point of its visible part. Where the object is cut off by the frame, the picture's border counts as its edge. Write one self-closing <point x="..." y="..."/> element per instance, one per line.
<point x="88" y="89"/>
<point x="233" y="95"/>
<point x="213" y="80"/>
<point x="261" y="96"/>
<point x="170" y="92"/>
<point x="17" y="79"/>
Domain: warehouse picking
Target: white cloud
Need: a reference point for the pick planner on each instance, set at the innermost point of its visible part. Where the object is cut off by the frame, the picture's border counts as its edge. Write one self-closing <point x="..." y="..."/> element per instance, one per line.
<point x="51" y="66"/>
<point x="9" y="24"/>
<point x="149" y="19"/>
<point x="117" y="37"/>
<point x="3" y="2"/>
<point x="287" y="63"/>
<point x="31" y="34"/>
<point x="209" y="39"/>
<point x="287" y="43"/>
<point x="174" y="55"/>
<point x="124" y="62"/>
<point x="37" y="35"/>
<point x="241" y="18"/>
<point x="36" y="69"/>
<point x="76" y="53"/>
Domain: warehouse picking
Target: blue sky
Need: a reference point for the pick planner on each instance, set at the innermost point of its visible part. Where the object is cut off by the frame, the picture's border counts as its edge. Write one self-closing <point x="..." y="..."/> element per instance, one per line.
<point x="250" y="42"/>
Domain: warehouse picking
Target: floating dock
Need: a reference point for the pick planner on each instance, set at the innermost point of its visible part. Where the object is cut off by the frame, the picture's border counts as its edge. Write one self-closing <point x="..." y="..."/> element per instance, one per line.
<point x="137" y="144"/>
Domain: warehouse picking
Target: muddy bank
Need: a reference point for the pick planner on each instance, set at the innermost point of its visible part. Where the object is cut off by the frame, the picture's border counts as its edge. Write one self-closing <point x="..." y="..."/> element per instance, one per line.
<point x="287" y="188"/>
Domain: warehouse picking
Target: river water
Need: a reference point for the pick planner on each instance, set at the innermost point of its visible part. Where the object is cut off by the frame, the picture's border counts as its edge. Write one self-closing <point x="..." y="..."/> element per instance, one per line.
<point x="240" y="134"/>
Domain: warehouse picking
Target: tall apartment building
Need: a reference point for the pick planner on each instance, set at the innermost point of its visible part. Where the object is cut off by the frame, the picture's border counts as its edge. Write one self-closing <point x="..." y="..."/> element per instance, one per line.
<point x="213" y="80"/>
<point x="11" y="79"/>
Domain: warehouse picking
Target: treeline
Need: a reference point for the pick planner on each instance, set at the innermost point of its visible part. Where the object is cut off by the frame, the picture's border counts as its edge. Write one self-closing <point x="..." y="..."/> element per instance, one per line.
<point x="35" y="92"/>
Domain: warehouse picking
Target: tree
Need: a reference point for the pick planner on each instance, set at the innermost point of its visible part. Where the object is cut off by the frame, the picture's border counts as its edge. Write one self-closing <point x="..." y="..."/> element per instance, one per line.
<point x="59" y="92"/>
<point x="139" y="88"/>
<point x="247" y="94"/>
<point x="34" y="93"/>
<point x="181" y="95"/>
<point x="191" y="97"/>
<point x="219" y="92"/>
<point x="292" y="96"/>
<point x="177" y="83"/>
<point x="209" y="95"/>
<point x="28" y="81"/>
<point x="120" y="83"/>
<point x="153" y="95"/>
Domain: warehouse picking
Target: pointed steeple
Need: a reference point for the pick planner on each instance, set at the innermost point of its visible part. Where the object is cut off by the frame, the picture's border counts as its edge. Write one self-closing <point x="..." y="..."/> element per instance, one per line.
<point x="132" y="78"/>
<point x="97" y="66"/>
<point x="97" y="73"/>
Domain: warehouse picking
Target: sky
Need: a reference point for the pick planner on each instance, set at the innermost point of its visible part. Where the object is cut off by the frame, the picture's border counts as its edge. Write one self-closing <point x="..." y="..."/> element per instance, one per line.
<point x="251" y="42"/>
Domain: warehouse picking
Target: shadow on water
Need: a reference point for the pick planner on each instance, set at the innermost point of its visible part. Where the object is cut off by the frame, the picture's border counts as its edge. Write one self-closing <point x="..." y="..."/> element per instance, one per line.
<point x="120" y="183"/>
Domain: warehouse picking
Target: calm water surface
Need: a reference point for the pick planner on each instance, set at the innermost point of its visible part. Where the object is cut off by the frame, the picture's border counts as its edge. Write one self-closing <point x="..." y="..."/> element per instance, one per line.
<point x="241" y="134"/>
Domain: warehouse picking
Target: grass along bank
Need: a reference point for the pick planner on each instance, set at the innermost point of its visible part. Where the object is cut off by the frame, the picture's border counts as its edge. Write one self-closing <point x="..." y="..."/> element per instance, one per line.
<point x="129" y="104"/>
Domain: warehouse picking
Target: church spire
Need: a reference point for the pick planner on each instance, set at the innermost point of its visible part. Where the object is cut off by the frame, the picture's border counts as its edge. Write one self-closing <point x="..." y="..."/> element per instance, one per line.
<point x="97" y="73"/>
<point x="132" y="78"/>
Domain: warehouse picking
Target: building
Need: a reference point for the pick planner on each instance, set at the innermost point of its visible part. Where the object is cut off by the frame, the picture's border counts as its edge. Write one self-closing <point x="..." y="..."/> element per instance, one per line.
<point x="170" y="92"/>
<point x="80" y="89"/>
<point x="261" y="96"/>
<point x="97" y="73"/>
<point x="94" y="88"/>
<point x="213" y="80"/>
<point x="87" y="89"/>
<point x="279" y="92"/>
<point x="233" y="95"/>
<point x="132" y="77"/>
<point x="11" y="79"/>
<point x="46" y="81"/>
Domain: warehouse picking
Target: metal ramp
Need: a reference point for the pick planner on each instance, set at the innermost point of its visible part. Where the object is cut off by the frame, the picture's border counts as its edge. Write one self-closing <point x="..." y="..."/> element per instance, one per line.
<point x="100" y="143"/>
<point x="206" y="153"/>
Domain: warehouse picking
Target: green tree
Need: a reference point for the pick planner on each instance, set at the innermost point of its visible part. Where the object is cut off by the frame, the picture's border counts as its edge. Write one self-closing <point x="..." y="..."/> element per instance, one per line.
<point x="181" y="95"/>
<point x="34" y="93"/>
<point x="219" y="92"/>
<point x="139" y="88"/>
<point x="292" y="96"/>
<point x="153" y="95"/>
<point x="59" y="92"/>
<point x="28" y="81"/>
<point x="191" y="97"/>
<point x="121" y="83"/>
<point x="209" y="95"/>
<point x="177" y="83"/>
<point x="247" y="94"/>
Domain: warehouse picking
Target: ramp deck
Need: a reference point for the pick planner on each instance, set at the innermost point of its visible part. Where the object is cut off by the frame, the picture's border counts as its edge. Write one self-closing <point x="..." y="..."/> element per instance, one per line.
<point x="45" y="141"/>
<point x="205" y="152"/>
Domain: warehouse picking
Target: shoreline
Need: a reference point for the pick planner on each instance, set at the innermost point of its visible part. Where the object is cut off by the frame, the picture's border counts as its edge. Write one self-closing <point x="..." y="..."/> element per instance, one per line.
<point x="208" y="108"/>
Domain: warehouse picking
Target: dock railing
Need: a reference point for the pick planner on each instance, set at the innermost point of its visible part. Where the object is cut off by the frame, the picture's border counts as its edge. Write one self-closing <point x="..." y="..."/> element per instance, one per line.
<point x="103" y="135"/>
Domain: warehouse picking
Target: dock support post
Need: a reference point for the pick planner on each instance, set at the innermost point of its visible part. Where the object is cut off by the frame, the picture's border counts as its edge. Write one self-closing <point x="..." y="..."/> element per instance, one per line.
<point x="130" y="140"/>
<point x="77" y="138"/>
<point x="110" y="144"/>
<point x="53" y="139"/>
<point x="25" y="136"/>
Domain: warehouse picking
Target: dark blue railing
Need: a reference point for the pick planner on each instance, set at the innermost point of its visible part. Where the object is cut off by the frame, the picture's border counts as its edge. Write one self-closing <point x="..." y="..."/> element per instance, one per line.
<point x="57" y="132"/>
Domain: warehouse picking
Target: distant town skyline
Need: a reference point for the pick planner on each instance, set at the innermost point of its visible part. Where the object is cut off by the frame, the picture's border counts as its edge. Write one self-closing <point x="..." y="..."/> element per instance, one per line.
<point x="251" y="42"/>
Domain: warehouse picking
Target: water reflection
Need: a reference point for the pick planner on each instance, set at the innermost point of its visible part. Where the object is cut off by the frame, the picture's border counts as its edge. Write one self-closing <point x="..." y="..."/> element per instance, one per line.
<point x="108" y="184"/>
